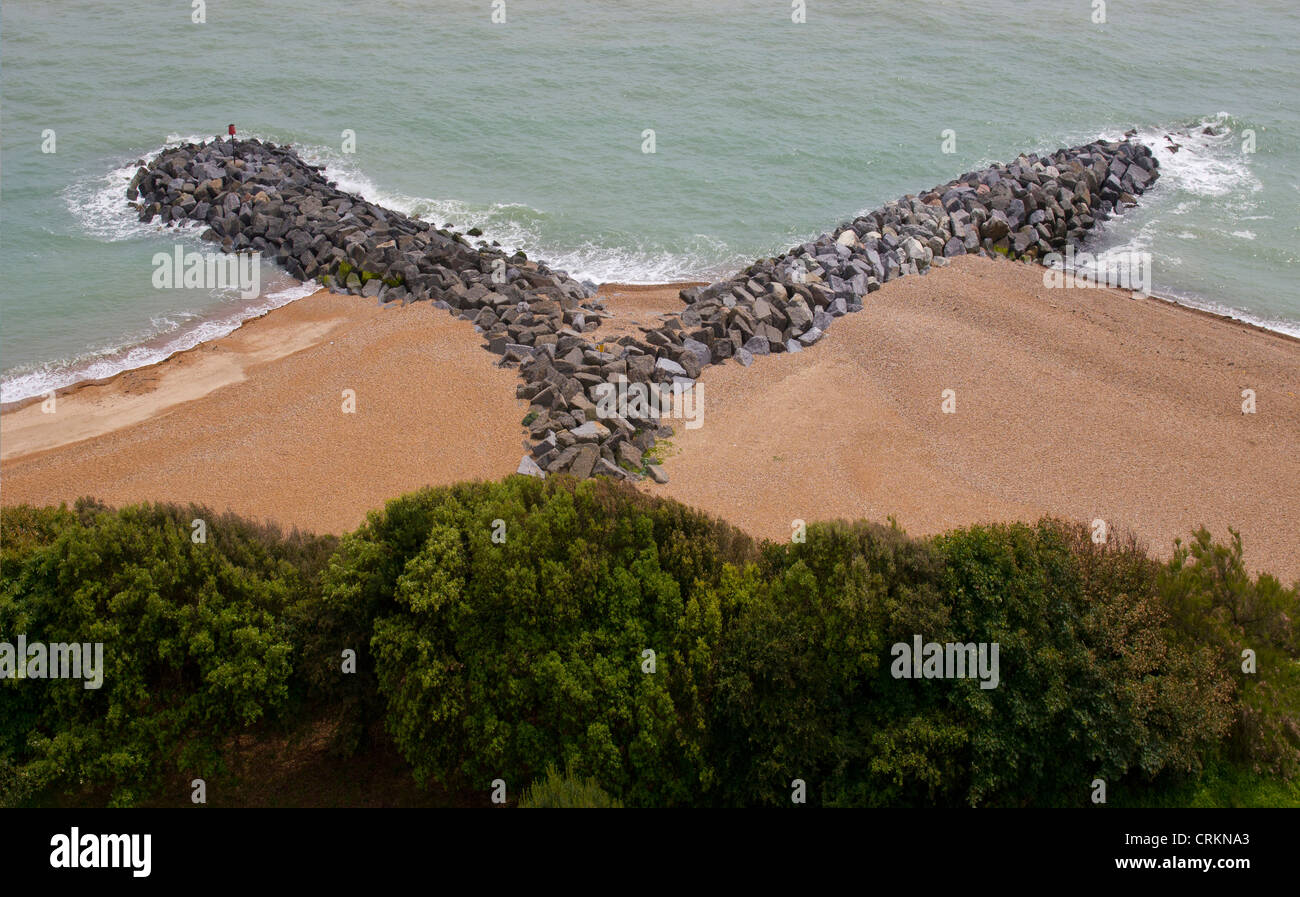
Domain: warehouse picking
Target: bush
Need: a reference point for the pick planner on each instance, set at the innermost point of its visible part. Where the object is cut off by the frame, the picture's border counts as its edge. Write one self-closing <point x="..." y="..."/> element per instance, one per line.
<point x="566" y="791"/>
<point x="497" y="658"/>
<point x="195" y="650"/>
<point x="501" y="631"/>
<point x="802" y="668"/>
<point x="1089" y="683"/>
<point x="1098" y="685"/>
<point x="1214" y="602"/>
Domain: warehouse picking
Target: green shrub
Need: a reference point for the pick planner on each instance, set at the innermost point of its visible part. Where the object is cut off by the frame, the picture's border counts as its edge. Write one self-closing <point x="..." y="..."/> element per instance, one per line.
<point x="512" y="658"/>
<point x="798" y="696"/>
<point x="1090" y="684"/>
<point x="24" y="529"/>
<point x="495" y="659"/>
<point x="194" y="647"/>
<point x="566" y="791"/>
<point x="1097" y="685"/>
<point x="1214" y="602"/>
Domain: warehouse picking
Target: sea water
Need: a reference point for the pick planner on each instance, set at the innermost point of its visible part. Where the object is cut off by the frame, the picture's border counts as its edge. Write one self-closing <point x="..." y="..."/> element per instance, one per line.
<point x="766" y="131"/>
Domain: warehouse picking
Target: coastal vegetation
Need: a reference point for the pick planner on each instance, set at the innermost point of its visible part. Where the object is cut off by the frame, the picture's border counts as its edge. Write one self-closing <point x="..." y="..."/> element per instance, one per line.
<point x="505" y="631"/>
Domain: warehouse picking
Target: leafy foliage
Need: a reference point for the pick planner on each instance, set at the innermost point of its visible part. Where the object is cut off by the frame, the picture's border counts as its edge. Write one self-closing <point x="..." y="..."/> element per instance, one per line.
<point x="566" y="791"/>
<point x="1089" y="683"/>
<point x="195" y="648"/>
<point x="1215" y="602"/>
<point x="495" y="658"/>
<point x="504" y="630"/>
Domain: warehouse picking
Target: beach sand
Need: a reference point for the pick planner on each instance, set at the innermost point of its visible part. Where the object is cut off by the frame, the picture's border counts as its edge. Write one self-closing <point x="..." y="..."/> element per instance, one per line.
<point x="271" y="439"/>
<point x="1082" y="403"/>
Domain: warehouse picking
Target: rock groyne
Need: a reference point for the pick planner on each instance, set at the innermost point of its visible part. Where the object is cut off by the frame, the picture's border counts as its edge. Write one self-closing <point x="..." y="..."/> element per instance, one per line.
<point x="255" y="196"/>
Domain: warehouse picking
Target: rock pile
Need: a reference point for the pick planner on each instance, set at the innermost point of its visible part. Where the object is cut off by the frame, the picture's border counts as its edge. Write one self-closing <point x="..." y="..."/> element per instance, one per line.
<point x="1026" y="209"/>
<point x="256" y="196"/>
<point x="259" y="197"/>
<point x="1023" y="210"/>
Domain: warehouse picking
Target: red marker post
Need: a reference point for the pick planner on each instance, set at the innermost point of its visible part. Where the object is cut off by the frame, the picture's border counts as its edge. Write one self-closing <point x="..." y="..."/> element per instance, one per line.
<point x="232" y="130"/>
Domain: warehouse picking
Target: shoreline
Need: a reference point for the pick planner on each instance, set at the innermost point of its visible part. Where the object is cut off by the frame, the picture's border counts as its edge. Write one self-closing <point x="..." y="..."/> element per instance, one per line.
<point x="148" y="391"/>
<point x="225" y="319"/>
<point x="842" y="429"/>
<point x="73" y="388"/>
<point x="269" y="325"/>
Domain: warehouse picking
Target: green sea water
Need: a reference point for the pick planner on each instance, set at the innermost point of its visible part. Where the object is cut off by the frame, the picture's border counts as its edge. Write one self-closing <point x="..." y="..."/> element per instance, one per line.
<point x="767" y="132"/>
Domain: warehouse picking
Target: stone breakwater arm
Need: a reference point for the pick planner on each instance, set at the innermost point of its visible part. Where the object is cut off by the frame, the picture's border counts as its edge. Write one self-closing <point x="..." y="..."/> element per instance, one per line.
<point x="1026" y="209"/>
<point x="259" y="197"/>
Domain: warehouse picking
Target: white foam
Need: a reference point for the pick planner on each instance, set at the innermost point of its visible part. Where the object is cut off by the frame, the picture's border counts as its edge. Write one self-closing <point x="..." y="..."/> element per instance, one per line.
<point x="190" y="329"/>
<point x="99" y="204"/>
<point x="515" y="227"/>
<point x="1280" y="325"/>
<point x="1206" y="166"/>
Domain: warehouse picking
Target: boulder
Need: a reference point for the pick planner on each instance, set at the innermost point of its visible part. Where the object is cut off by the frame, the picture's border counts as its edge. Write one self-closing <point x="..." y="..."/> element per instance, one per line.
<point x="668" y="366"/>
<point x="584" y="460"/>
<point x="529" y="467"/>
<point x="591" y="431"/>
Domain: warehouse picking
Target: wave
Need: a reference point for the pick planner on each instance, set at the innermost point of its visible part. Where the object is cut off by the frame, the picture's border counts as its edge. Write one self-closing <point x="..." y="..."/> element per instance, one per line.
<point x="1207" y="168"/>
<point x="99" y="204"/>
<point x="1206" y="165"/>
<point x="1207" y="190"/>
<point x="168" y="334"/>
<point x="617" y="258"/>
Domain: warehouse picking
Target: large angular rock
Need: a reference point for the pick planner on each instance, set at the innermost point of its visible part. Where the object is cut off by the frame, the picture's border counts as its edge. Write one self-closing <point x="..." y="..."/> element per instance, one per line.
<point x="668" y="366"/>
<point x="591" y="431"/>
<point x="701" y="351"/>
<point x="996" y="227"/>
<point x="606" y="468"/>
<point x="584" y="461"/>
<point x="629" y="455"/>
<point x="798" y="314"/>
<point x="810" y="336"/>
<point x="529" y="467"/>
